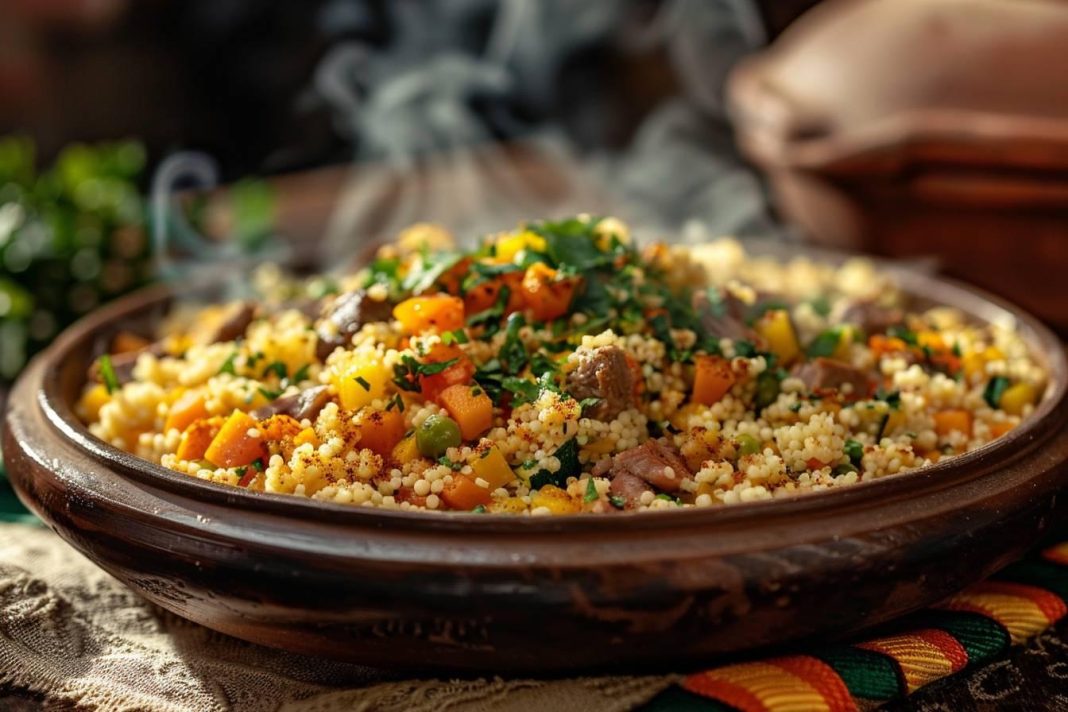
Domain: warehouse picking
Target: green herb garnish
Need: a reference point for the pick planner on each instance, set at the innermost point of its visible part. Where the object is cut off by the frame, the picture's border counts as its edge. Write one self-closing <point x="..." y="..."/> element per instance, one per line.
<point x="363" y="383"/>
<point x="995" y="388"/>
<point x="107" y="373"/>
<point x="591" y="491"/>
<point x="229" y="365"/>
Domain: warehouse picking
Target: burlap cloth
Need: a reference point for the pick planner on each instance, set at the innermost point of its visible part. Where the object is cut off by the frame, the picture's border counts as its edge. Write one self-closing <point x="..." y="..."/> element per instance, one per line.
<point x="73" y="636"/>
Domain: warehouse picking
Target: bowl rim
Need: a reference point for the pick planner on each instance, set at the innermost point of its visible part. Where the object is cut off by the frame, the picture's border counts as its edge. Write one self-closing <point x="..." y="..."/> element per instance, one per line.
<point x="945" y="474"/>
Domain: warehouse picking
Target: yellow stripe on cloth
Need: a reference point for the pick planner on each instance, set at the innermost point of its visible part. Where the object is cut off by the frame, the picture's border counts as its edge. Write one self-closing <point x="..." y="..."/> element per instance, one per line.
<point x="1023" y="610"/>
<point x="774" y="688"/>
<point x="921" y="662"/>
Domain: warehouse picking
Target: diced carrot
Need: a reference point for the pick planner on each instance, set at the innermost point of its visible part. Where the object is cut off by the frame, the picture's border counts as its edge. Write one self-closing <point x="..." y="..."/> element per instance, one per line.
<point x="957" y="419"/>
<point x="470" y="407"/>
<point x="712" y="379"/>
<point x="380" y="430"/>
<point x="127" y="342"/>
<point x="814" y="464"/>
<point x="880" y="345"/>
<point x="238" y="442"/>
<point x="450" y="281"/>
<point x="306" y="436"/>
<point x="483" y="296"/>
<point x="185" y="410"/>
<point x="437" y="312"/>
<point x="547" y="296"/>
<point x="999" y="429"/>
<point x="463" y="494"/>
<point x="197" y="437"/>
<point x="279" y="427"/>
<point x="461" y="372"/>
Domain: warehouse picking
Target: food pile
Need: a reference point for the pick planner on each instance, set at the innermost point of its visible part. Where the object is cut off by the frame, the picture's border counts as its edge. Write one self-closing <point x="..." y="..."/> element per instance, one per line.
<point x="558" y="368"/>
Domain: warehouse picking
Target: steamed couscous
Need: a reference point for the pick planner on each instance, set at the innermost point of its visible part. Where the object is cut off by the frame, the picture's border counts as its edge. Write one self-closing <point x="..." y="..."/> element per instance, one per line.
<point x="560" y="369"/>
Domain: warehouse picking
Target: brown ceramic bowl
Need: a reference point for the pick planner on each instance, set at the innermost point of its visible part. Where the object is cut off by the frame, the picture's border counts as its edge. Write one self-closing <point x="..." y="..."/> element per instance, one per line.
<point x="555" y="594"/>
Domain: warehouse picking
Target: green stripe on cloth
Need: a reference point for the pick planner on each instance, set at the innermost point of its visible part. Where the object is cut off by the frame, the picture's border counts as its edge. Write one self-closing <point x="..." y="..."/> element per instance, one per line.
<point x="678" y="699"/>
<point x="981" y="637"/>
<point x="1037" y="572"/>
<point x="866" y="673"/>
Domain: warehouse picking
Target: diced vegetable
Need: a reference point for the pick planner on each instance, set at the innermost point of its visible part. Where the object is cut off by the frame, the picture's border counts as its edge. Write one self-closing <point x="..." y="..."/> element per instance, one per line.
<point x="185" y="410"/>
<point x="776" y="328"/>
<point x="1017" y="397"/>
<point x="380" y="430"/>
<point x="995" y="389"/>
<point x="197" y="437"/>
<point x="768" y="387"/>
<point x="470" y="407"/>
<point x="946" y="421"/>
<point x="546" y="295"/>
<point x="356" y="388"/>
<point x="999" y="429"/>
<point x="307" y="435"/>
<point x="279" y="427"/>
<point x="462" y="371"/>
<point x="237" y="443"/>
<point x="436" y="435"/>
<point x="555" y="499"/>
<point x="882" y="345"/>
<point x="747" y="444"/>
<point x="437" y="312"/>
<point x="463" y="494"/>
<point x="406" y="450"/>
<point x="712" y="379"/>
<point x="93" y="400"/>
<point x="127" y="341"/>
<point x="493" y="468"/>
<point x="510" y="245"/>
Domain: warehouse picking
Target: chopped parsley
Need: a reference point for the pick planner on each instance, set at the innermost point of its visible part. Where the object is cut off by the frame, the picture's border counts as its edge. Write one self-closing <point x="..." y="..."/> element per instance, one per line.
<point x="456" y="336"/>
<point x="995" y="388"/>
<point x="854" y="451"/>
<point x="277" y="368"/>
<point x="591" y="491"/>
<point x="617" y="501"/>
<point x="107" y="374"/>
<point x="825" y="344"/>
<point x="567" y="454"/>
<point x="906" y="335"/>
<point x="479" y="509"/>
<point x="587" y="403"/>
<point x="363" y="383"/>
<point x="229" y="365"/>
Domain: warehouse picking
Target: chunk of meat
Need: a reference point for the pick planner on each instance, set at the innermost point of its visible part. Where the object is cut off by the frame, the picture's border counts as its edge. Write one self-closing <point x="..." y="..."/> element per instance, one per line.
<point x="234" y="324"/>
<point x="347" y="315"/>
<point x="723" y="319"/>
<point x="872" y="318"/>
<point x="299" y="406"/>
<point x="826" y="375"/>
<point x="629" y="488"/>
<point x="607" y="375"/>
<point x="655" y="462"/>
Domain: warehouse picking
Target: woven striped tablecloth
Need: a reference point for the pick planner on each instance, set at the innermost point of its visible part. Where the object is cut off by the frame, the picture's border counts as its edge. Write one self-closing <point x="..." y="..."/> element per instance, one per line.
<point x="976" y="627"/>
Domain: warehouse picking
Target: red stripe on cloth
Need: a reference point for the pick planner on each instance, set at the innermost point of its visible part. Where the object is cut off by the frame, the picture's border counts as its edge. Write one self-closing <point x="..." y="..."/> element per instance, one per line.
<point x="947" y="644"/>
<point x="822" y="677"/>
<point x="1051" y="605"/>
<point x="734" y="695"/>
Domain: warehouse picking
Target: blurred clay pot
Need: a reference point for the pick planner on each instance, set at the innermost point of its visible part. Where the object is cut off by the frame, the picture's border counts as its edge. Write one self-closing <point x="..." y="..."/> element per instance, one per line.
<point x="923" y="127"/>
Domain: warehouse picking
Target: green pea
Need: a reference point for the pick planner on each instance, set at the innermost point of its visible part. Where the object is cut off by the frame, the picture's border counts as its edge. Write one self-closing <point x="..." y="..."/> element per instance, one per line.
<point x="436" y="435"/>
<point x="767" y="390"/>
<point x="747" y="444"/>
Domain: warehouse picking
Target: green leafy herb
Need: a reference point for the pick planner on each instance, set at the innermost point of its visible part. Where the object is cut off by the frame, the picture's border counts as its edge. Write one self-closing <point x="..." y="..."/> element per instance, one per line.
<point x="854" y="451"/>
<point x="667" y="498"/>
<point x="447" y="461"/>
<point x="513" y="354"/>
<point x="567" y="454"/>
<point x="906" y="335"/>
<point x="617" y="501"/>
<point x="277" y="368"/>
<point x="746" y="349"/>
<point x="429" y="271"/>
<point x="591" y="491"/>
<point x="456" y="336"/>
<point x="891" y="398"/>
<point x="107" y="374"/>
<point x="522" y="390"/>
<point x="257" y="465"/>
<point x="825" y="344"/>
<point x="396" y="402"/>
<point x="821" y="305"/>
<point x="229" y="365"/>
<point x="479" y="509"/>
<point x="301" y="374"/>
<point x="269" y="394"/>
<point x="843" y="469"/>
<point x="995" y="388"/>
<point x="571" y="243"/>
<point x="363" y="383"/>
<point x="587" y="403"/>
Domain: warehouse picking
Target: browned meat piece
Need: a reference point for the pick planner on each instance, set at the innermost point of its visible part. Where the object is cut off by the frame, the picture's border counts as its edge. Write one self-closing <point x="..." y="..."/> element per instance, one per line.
<point x="825" y="375"/>
<point x="305" y="404"/>
<point x="629" y="488"/>
<point x="725" y="319"/>
<point x="606" y="375"/>
<point x="349" y="312"/>
<point x="235" y="323"/>
<point x="872" y="318"/>
<point x="654" y="461"/>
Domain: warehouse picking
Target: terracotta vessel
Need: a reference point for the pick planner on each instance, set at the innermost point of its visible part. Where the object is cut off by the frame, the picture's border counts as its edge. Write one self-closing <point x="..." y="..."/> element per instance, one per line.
<point x="637" y="591"/>
<point x="922" y="127"/>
